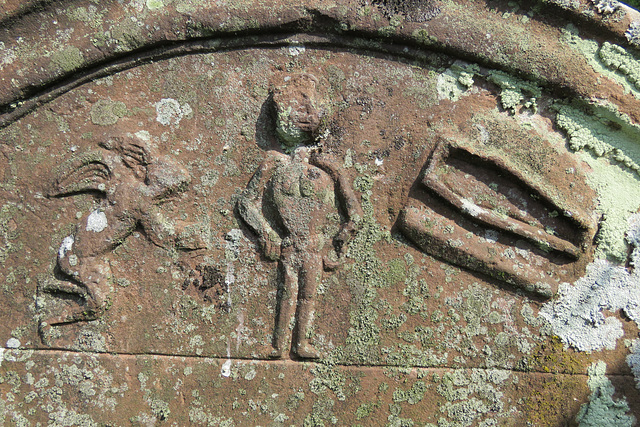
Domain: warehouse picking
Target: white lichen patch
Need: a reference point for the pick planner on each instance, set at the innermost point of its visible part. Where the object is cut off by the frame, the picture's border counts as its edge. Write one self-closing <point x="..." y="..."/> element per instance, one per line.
<point x="170" y="112"/>
<point x="471" y="208"/>
<point x="633" y="33"/>
<point x="606" y="7"/>
<point x="296" y="50"/>
<point x="13" y="343"/>
<point x="225" y="371"/>
<point x="602" y="409"/>
<point x="577" y="315"/>
<point x="96" y="222"/>
<point x="66" y="246"/>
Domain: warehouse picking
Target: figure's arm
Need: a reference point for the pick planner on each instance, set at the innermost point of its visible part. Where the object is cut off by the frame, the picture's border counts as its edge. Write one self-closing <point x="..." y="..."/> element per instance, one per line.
<point x="345" y="194"/>
<point x="250" y="209"/>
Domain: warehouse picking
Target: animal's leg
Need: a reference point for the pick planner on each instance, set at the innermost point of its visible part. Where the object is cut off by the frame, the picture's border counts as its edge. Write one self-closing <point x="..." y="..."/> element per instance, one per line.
<point x="81" y="257"/>
<point x="92" y="276"/>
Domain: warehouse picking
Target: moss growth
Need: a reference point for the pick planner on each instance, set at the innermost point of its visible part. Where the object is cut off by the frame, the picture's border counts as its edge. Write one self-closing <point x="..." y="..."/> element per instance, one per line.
<point x="551" y="357"/>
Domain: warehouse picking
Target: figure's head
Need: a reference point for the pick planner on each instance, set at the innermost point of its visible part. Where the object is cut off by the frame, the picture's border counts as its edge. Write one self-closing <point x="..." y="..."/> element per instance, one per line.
<point x="298" y="109"/>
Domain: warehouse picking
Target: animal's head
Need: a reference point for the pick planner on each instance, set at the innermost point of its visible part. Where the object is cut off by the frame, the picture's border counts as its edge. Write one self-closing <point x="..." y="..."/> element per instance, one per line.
<point x="161" y="174"/>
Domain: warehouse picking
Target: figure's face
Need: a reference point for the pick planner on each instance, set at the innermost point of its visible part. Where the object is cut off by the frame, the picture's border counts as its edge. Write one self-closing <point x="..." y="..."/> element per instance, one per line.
<point x="297" y="112"/>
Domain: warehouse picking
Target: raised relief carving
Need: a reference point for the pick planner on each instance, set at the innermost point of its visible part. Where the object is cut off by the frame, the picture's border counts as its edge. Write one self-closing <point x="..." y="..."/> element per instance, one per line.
<point x="131" y="179"/>
<point x="482" y="214"/>
<point x="292" y="203"/>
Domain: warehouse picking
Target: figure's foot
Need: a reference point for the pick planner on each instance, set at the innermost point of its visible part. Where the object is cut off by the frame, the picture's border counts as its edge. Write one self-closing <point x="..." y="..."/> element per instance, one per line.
<point x="307" y="351"/>
<point x="276" y="353"/>
<point x="329" y="265"/>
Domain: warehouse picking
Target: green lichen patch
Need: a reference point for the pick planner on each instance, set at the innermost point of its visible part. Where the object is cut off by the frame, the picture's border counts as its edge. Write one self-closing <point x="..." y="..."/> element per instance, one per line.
<point x="608" y="59"/>
<point x="618" y="188"/>
<point x="604" y="138"/>
<point x="9" y="230"/>
<point x="456" y="80"/>
<point x="515" y="92"/>
<point x="618" y="59"/>
<point x="106" y="112"/>
<point x="67" y="59"/>
<point x="473" y="395"/>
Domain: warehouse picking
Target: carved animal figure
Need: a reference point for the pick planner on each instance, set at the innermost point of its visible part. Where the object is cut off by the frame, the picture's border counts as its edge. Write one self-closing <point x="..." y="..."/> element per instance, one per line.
<point x="131" y="179"/>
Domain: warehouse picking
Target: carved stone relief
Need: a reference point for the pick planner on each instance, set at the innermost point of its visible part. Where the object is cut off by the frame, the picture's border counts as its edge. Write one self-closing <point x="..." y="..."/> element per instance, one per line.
<point x="398" y="231"/>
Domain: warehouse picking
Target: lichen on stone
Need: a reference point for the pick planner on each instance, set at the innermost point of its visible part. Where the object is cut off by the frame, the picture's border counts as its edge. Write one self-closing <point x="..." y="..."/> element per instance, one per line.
<point x="633" y="33"/>
<point x="68" y="59"/>
<point x="577" y="314"/>
<point x="600" y="136"/>
<point x="618" y="59"/>
<point x="603" y="410"/>
<point x="456" y="80"/>
<point x="515" y="92"/>
<point x="106" y="112"/>
<point x="473" y="396"/>
<point x="610" y="141"/>
<point x="633" y="360"/>
<point x="606" y="7"/>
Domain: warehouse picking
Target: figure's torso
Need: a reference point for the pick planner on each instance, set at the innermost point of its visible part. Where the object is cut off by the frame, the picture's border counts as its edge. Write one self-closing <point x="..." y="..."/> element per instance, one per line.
<point x="304" y="195"/>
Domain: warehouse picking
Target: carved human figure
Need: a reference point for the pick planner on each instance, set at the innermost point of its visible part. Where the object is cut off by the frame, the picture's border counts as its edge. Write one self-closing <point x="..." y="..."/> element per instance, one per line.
<point x="132" y="179"/>
<point x="287" y="204"/>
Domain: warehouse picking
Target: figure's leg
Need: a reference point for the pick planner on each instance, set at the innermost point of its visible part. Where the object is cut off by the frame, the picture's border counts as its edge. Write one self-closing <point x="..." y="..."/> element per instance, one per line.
<point x="311" y="275"/>
<point x="285" y="309"/>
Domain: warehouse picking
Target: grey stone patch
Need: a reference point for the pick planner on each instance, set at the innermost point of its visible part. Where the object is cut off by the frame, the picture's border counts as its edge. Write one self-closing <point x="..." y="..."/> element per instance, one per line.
<point x="416" y="10"/>
<point x="576" y="316"/>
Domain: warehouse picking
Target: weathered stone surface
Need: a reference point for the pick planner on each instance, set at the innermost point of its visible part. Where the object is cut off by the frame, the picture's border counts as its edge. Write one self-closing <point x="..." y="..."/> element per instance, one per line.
<point x="396" y="213"/>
